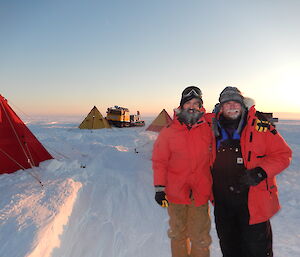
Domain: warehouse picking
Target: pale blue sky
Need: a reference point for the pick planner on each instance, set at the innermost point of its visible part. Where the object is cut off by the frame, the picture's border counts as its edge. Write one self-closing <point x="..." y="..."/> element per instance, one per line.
<point x="65" y="56"/>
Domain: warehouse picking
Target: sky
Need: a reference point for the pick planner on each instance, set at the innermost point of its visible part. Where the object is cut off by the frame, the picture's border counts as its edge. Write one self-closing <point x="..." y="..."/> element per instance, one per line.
<point x="62" y="57"/>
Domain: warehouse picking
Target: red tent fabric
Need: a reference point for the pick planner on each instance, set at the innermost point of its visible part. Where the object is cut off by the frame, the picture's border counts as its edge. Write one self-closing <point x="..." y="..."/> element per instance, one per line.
<point x="19" y="148"/>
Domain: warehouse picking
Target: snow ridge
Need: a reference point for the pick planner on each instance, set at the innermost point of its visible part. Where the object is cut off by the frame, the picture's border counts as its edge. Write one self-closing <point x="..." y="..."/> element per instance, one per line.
<point x="48" y="237"/>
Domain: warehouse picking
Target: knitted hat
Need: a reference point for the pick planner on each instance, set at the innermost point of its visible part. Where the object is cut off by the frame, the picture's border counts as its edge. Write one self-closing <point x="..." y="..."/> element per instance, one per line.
<point x="231" y="94"/>
<point x="189" y="93"/>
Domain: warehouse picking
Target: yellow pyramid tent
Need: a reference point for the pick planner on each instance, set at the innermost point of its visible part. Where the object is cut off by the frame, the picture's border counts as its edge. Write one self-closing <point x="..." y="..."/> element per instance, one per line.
<point x="162" y="120"/>
<point x="94" y="120"/>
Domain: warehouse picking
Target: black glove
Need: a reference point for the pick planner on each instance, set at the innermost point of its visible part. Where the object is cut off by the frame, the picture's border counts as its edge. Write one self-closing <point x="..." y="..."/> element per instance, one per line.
<point x="160" y="198"/>
<point x="253" y="177"/>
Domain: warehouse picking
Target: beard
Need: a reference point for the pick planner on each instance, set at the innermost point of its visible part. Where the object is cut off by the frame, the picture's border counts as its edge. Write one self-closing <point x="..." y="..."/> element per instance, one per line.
<point x="232" y="114"/>
<point x="189" y="116"/>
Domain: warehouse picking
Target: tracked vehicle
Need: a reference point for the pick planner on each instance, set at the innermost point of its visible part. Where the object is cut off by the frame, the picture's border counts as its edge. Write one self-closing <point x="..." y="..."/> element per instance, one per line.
<point x="120" y="117"/>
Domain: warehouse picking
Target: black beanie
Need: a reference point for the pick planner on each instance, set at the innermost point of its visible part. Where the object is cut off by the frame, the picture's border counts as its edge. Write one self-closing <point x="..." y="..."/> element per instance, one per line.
<point x="190" y="93"/>
<point x="231" y="94"/>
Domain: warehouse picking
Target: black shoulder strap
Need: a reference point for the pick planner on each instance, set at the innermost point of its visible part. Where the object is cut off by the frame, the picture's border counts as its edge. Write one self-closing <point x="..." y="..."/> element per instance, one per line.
<point x="261" y="116"/>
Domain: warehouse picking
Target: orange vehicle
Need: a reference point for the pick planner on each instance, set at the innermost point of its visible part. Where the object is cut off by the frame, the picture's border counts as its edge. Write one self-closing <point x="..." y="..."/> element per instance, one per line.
<point x="120" y="117"/>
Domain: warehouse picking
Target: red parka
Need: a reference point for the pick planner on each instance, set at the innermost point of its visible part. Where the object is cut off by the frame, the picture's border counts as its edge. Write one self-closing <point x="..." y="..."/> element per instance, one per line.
<point x="181" y="162"/>
<point x="263" y="147"/>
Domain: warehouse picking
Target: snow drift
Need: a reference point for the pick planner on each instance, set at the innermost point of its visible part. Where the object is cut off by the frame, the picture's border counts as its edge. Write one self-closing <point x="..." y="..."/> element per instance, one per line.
<point x="98" y="199"/>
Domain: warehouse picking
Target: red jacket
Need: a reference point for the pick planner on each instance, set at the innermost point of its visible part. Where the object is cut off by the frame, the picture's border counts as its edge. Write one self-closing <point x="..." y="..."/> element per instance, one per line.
<point x="263" y="148"/>
<point x="181" y="162"/>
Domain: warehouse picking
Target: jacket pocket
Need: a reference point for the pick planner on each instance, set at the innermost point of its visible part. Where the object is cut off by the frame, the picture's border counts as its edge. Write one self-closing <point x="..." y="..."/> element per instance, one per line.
<point x="263" y="204"/>
<point x="267" y="185"/>
<point x="271" y="186"/>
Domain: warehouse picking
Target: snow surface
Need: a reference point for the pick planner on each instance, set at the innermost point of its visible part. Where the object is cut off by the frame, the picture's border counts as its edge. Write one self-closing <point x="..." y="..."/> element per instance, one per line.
<point x="98" y="199"/>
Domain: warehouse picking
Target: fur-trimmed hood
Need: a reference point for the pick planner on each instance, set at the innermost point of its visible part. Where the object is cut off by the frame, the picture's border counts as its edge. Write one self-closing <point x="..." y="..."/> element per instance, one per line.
<point x="249" y="102"/>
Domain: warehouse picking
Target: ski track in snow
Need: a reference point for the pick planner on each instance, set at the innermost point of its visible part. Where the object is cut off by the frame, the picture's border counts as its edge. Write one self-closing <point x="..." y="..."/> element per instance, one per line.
<point x="98" y="198"/>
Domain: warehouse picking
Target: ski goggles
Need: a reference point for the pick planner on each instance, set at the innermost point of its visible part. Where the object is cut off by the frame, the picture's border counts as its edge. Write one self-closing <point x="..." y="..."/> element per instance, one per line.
<point x="191" y="92"/>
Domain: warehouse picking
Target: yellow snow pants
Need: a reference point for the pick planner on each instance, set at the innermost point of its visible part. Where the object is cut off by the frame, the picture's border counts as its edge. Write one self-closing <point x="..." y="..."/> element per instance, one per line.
<point x="189" y="230"/>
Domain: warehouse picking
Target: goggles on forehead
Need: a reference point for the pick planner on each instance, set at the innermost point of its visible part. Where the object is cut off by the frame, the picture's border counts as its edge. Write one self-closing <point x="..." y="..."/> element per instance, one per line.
<point x="191" y="92"/>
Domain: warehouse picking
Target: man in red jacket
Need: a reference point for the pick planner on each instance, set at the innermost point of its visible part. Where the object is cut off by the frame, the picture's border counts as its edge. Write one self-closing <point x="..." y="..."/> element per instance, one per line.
<point x="181" y="162"/>
<point x="249" y="153"/>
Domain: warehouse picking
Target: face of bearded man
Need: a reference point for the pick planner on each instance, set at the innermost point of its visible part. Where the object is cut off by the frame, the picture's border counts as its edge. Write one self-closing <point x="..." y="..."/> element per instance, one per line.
<point x="190" y="112"/>
<point x="231" y="110"/>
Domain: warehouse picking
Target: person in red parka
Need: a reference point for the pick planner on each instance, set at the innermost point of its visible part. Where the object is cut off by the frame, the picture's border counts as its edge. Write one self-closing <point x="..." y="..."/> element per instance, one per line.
<point x="182" y="155"/>
<point x="249" y="153"/>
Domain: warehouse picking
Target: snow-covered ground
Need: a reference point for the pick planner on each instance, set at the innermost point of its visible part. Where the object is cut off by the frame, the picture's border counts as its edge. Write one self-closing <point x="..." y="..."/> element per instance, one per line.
<point x="97" y="198"/>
